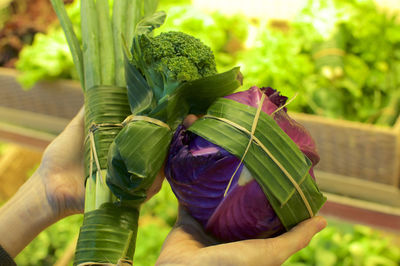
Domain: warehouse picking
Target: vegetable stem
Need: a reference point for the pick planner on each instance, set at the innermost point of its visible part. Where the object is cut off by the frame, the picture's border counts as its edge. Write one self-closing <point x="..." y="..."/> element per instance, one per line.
<point x="103" y="193"/>
<point x="90" y="194"/>
<point x="90" y="41"/>
<point x="106" y="44"/>
<point x="119" y="26"/>
<point x="132" y="17"/>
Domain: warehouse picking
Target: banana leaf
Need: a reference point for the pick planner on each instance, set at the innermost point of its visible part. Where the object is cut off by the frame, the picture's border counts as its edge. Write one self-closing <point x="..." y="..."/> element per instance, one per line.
<point x="139" y="151"/>
<point x="271" y="170"/>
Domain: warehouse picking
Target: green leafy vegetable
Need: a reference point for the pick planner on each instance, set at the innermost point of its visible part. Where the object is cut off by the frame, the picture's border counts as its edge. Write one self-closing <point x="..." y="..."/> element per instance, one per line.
<point x="340" y="56"/>
<point x="347" y="245"/>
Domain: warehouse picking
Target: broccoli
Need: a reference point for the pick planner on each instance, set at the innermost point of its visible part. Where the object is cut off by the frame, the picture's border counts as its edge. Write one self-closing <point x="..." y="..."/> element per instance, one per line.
<point x="170" y="59"/>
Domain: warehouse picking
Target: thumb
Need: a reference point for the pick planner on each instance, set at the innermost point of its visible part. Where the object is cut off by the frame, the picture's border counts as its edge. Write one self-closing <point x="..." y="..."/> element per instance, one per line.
<point x="299" y="237"/>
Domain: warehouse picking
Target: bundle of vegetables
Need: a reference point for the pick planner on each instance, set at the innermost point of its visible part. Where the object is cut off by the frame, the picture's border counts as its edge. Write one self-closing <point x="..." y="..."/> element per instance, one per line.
<point x="245" y="169"/>
<point x="99" y="63"/>
<point x="133" y="102"/>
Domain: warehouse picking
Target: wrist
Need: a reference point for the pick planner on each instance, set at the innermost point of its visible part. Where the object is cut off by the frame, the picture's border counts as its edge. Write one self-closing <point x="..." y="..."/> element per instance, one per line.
<point x="24" y="216"/>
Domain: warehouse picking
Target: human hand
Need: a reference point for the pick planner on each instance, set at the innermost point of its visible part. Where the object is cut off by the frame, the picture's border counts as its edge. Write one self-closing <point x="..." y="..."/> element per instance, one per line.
<point x="188" y="244"/>
<point x="55" y="190"/>
<point x="61" y="171"/>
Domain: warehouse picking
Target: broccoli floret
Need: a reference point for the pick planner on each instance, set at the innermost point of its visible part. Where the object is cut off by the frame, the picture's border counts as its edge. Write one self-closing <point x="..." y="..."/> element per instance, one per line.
<point x="172" y="58"/>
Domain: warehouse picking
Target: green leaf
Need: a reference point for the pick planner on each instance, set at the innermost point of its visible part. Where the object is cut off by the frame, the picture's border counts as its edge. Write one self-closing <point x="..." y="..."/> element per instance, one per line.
<point x="104" y="105"/>
<point x="140" y="95"/>
<point x="196" y="96"/>
<point x="136" y="156"/>
<point x="106" y="43"/>
<point x="72" y="40"/>
<point x="201" y="93"/>
<point x="149" y="23"/>
<point x="279" y="190"/>
<point x="114" y="228"/>
<point x="90" y="43"/>
<point x="119" y="28"/>
<point x="150" y="6"/>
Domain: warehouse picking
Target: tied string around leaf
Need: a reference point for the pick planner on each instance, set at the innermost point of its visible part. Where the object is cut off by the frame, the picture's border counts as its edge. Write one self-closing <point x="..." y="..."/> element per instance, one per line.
<point x="253" y="138"/>
<point x="94" y="127"/>
<point x="93" y="152"/>
<point x="132" y="118"/>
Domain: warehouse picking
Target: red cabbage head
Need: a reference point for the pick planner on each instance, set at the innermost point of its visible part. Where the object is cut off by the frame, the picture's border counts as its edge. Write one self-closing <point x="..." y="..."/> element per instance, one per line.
<point x="199" y="172"/>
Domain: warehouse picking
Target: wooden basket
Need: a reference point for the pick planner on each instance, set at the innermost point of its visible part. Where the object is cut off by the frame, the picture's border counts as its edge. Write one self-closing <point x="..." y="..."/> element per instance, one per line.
<point x="357" y="160"/>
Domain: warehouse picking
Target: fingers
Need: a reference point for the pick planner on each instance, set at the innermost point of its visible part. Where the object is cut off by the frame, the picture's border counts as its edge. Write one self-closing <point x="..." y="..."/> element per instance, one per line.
<point x="67" y="147"/>
<point x="189" y="120"/>
<point x="270" y="252"/>
<point x="78" y="120"/>
<point x="299" y="237"/>
<point x="157" y="184"/>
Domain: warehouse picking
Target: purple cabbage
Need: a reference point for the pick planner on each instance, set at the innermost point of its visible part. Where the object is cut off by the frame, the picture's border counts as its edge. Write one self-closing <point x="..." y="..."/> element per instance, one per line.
<point x="199" y="172"/>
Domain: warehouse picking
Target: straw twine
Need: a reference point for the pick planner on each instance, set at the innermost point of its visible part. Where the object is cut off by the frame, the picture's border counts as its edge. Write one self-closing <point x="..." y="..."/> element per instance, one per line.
<point x="265" y="149"/>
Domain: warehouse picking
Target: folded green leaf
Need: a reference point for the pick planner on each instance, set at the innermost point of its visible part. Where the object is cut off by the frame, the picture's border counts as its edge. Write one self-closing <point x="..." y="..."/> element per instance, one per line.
<point x="140" y="95"/>
<point x="196" y="96"/>
<point x="136" y="156"/>
<point x="114" y="227"/>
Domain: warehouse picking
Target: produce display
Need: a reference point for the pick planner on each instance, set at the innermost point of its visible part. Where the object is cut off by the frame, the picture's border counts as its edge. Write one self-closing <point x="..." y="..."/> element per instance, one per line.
<point x="340" y="56"/>
<point x="49" y="58"/>
<point x="345" y="67"/>
<point x="20" y="20"/>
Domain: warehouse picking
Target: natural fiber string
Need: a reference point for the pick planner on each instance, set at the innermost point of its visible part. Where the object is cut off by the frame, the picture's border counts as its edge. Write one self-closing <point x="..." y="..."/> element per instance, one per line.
<point x="286" y="104"/>
<point x="253" y="129"/>
<point x="93" y="151"/>
<point x="265" y="149"/>
<point x="94" y="127"/>
<point x="145" y="118"/>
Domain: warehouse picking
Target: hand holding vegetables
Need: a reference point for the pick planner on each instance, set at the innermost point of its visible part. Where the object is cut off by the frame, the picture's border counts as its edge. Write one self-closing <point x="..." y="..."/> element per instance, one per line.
<point x="55" y="190"/>
<point x="188" y="244"/>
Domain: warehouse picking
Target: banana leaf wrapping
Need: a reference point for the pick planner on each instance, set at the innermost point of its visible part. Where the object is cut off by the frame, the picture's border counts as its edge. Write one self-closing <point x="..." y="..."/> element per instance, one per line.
<point x="261" y="197"/>
<point x="139" y="151"/>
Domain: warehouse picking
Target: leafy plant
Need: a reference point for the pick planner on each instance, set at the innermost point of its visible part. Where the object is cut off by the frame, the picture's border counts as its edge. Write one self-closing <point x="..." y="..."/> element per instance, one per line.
<point x="340" y="56"/>
<point x="50" y="244"/>
<point x="48" y="57"/>
<point x="342" y="244"/>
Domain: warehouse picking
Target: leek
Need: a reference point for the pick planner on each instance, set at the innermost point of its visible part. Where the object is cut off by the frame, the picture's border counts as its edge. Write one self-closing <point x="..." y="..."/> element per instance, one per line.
<point x="109" y="229"/>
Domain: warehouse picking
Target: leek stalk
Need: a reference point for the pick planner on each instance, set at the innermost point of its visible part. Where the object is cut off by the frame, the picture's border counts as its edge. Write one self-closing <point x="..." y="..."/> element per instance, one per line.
<point x="109" y="229"/>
